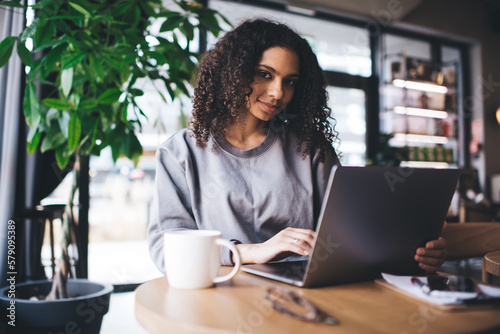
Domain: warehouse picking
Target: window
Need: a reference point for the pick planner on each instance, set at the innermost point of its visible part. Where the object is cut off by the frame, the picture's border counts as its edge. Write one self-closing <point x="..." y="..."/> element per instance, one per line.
<point x="348" y="109"/>
<point x="339" y="47"/>
<point x="410" y="47"/>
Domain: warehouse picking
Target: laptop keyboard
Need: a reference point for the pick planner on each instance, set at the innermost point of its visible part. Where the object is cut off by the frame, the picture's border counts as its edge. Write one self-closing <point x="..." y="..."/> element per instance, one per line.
<point x="293" y="269"/>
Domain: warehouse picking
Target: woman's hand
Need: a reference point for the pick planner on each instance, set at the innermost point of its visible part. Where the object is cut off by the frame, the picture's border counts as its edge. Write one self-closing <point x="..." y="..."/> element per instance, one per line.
<point x="287" y="242"/>
<point x="431" y="257"/>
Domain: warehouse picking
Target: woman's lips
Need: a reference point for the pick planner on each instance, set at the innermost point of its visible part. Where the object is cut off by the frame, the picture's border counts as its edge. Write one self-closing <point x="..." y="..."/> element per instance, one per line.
<point x="270" y="108"/>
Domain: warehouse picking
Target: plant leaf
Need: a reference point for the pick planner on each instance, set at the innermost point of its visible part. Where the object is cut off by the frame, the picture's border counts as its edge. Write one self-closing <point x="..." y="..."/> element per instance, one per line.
<point x="74" y="132"/>
<point x="33" y="144"/>
<point x="44" y="33"/>
<point x="116" y="148"/>
<point x="80" y="9"/>
<point x="62" y="156"/>
<point x="117" y="65"/>
<point x="51" y="44"/>
<point x="225" y="19"/>
<point x="211" y="23"/>
<point x="16" y="4"/>
<point x="57" y="104"/>
<point x="47" y="8"/>
<point x="66" y="81"/>
<point x="55" y="55"/>
<point x="64" y="123"/>
<point x="73" y="60"/>
<point x="31" y="105"/>
<point x="167" y="13"/>
<point x="51" y="141"/>
<point x="131" y="147"/>
<point x="6" y="47"/>
<point x="146" y="6"/>
<point x="24" y="53"/>
<point x="96" y="66"/>
<point x="33" y="129"/>
<point x="171" y="23"/>
<point x="30" y="30"/>
<point x="51" y="114"/>
<point x="187" y="29"/>
<point x="87" y="104"/>
<point x="75" y="99"/>
<point x="136" y="92"/>
<point x="110" y="96"/>
<point x="124" y="112"/>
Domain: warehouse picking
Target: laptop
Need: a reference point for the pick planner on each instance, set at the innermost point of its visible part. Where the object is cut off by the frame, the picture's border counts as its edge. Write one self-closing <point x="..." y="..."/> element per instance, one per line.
<point x="372" y="220"/>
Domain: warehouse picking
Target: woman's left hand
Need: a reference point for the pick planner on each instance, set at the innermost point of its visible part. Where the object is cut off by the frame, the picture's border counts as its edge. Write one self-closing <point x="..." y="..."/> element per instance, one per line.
<point x="431" y="257"/>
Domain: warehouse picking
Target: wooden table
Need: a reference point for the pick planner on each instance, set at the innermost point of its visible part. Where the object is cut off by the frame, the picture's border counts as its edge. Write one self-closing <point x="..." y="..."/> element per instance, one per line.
<point x="238" y="306"/>
<point x="491" y="266"/>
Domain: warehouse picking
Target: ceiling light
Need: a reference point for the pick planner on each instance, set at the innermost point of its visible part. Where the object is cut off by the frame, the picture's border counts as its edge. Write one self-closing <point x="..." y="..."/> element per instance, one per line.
<point x="420" y="112"/>
<point x="426" y="87"/>
<point x="420" y="138"/>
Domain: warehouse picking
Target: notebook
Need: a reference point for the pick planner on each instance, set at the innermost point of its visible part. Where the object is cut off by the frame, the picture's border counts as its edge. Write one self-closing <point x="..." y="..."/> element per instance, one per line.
<point x="372" y="220"/>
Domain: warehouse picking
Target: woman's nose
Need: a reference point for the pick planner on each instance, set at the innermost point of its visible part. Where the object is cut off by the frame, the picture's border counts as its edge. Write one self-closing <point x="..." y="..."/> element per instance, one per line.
<point x="275" y="89"/>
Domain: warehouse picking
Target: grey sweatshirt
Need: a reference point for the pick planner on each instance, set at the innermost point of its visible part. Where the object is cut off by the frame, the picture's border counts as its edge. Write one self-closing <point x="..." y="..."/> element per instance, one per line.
<point x="248" y="195"/>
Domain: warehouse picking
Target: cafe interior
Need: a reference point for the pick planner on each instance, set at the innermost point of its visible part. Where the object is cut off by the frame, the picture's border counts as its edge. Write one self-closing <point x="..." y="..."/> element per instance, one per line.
<point x="411" y="83"/>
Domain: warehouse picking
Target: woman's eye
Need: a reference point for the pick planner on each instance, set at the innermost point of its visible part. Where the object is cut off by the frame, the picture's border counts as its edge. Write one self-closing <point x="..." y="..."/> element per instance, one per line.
<point x="291" y="82"/>
<point x="265" y="75"/>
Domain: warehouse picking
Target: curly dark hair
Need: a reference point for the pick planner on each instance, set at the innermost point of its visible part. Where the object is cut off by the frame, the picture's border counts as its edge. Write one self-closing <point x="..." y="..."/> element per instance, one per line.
<point x="223" y="83"/>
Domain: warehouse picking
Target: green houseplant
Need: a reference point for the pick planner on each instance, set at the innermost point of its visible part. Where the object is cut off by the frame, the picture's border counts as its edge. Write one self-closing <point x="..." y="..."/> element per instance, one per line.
<point x="90" y="55"/>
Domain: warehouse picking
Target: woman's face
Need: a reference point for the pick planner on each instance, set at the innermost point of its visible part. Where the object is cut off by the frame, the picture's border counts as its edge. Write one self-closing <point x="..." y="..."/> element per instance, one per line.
<point x="274" y="81"/>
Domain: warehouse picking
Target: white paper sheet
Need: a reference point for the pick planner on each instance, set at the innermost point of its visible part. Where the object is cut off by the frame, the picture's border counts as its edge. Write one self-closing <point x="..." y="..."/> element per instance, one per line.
<point x="448" y="298"/>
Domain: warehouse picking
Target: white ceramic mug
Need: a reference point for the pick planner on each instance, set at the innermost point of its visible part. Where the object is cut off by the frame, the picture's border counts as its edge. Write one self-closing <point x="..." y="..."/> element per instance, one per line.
<point x="192" y="258"/>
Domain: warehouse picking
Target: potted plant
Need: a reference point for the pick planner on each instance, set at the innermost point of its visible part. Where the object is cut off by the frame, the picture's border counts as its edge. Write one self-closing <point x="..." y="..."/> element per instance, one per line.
<point x="91" y="55"/>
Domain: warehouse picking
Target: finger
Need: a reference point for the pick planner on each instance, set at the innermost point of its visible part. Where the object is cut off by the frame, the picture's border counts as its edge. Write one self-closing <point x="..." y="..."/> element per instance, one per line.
<point x="297" y="249"/>
<point x="436" y="244"/>
<point x="429" y="260"/>
<point x="297" y="235"/>
<point x="305" y="233"/>
<point x="297" y="246"/>
<point x="302" y="239"/>
<point x="435" y="253"/>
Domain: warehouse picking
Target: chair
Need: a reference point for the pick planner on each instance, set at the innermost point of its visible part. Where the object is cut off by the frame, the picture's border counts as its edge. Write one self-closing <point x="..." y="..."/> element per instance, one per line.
<point x="52" y="212"/>
<point x="471" y="240"/>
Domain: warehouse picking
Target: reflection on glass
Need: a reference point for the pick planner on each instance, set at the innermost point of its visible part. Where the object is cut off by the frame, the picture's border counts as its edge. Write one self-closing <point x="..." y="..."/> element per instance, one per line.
<point x="408" y="46"/>
<point x="348" y="109"/>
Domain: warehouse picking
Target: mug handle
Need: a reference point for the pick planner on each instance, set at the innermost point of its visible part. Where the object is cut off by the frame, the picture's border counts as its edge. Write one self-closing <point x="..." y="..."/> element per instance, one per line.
<point x="237" y="265"/>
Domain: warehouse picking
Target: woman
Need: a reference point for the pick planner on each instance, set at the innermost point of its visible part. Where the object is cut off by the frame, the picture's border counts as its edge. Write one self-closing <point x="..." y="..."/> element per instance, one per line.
<point x="256" y="159"/>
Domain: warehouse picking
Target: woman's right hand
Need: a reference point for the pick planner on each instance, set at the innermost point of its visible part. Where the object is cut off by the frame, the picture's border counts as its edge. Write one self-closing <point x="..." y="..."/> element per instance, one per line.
<point x="287" y="242"/>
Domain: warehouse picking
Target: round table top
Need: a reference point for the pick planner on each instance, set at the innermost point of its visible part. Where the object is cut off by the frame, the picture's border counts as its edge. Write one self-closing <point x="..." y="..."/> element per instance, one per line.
<point x="493" y="257"/>
<point x="239" y="306"/>
<point x="492" y="263"/>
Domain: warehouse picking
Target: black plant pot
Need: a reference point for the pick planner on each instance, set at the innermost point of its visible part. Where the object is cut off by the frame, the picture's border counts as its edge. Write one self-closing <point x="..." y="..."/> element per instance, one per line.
<point x="80" y="314"/>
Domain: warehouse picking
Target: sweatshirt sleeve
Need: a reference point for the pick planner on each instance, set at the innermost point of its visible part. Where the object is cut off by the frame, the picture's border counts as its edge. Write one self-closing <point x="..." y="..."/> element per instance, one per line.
<point x="171" y="207"/>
